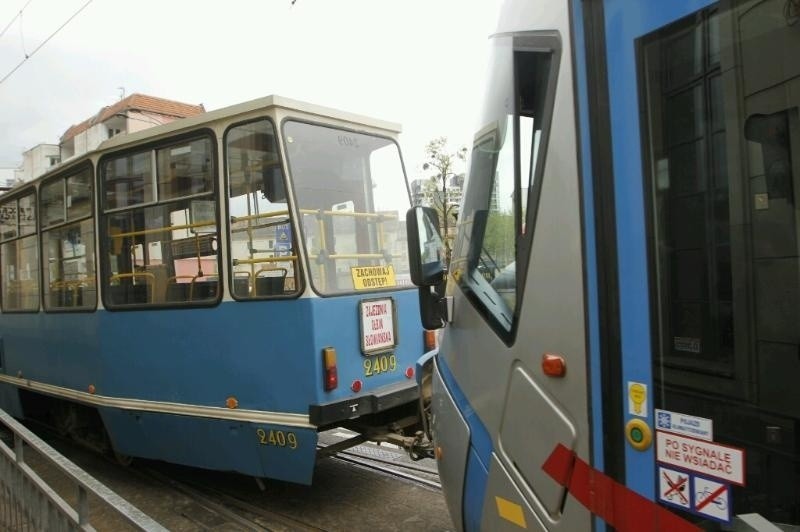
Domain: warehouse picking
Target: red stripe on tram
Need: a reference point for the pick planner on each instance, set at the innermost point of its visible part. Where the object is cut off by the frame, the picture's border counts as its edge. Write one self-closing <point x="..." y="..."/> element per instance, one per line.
<point x="620" y="507"/>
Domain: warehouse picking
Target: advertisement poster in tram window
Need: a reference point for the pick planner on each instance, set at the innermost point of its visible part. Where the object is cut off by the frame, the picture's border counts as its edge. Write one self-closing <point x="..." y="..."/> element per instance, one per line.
<point x="283" y="240"/>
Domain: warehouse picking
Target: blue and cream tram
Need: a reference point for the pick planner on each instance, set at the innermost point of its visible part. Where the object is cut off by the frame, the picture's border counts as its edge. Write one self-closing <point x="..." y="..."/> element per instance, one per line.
<point x="215" y="291"/>
<point x="621" y="341"/>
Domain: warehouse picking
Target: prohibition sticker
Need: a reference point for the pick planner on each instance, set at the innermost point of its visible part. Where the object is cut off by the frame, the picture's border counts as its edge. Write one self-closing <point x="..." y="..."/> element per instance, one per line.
<point x="673" y="487"/>
<point x="377" y="325"/>
<point x="371" y="277"/>
<point x="712" y="499"/>
<point x="711" y="459"/>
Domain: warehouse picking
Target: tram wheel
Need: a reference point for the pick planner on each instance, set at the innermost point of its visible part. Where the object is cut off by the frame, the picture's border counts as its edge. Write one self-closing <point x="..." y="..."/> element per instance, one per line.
<point x="124" y="460"/>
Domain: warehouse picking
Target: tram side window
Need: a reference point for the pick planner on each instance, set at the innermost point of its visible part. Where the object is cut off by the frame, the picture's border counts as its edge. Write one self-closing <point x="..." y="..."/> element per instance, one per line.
<point x="164" y="253"/>
<point x="129" y="180"/>
<point x="262" y="249"/>
<point x="498" y="213"/>
<point x="68" y="242"/>
<point x="19" y="257"/>
<point x="184" y="170"/>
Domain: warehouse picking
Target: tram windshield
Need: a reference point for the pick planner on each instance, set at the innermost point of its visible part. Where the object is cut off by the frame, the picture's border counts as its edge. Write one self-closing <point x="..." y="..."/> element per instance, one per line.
<point x="351" y="197"/>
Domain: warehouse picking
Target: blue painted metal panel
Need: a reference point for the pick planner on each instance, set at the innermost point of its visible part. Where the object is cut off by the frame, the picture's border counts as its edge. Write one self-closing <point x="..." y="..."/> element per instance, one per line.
<point x="268" y="355"/>
<point x="480" y="453"/>
<point x="215" y="444"/>
<point x="589" y="232"/>
<point x="336" y="323"/>
<point x="474" y="491"/>
<point x="590" y="245"/>
<point x="9" y="400"/>
<point x="481" y="439"/>
<point x="627" y="20"/>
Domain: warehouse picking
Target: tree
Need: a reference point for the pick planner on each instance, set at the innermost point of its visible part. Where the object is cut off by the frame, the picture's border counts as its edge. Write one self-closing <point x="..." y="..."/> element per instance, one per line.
<point x="442" y="163"/>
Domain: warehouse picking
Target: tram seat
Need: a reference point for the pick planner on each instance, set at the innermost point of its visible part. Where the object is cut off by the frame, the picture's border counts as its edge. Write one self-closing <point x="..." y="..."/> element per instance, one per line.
<point x="123" y="291"/>
<point x="203" y="290"/>
<point x="178" y="291"/>
<point x="270" y="281"/>
<point x="66" y="294"/>
<point x="191" y="289"/>
<point x="241" y="284"/>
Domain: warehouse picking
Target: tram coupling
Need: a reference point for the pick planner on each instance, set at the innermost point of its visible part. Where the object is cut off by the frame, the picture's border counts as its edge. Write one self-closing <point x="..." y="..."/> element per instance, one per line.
<point x="417" y="446"/>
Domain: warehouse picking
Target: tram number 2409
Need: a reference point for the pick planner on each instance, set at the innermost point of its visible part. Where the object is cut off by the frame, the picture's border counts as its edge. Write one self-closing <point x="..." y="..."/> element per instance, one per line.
<point x="377" y="364"/>
<point x="277" y="438"/>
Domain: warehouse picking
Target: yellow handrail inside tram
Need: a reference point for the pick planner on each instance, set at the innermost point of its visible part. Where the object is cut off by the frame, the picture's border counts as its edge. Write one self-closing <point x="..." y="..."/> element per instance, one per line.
<point x="119" y="276"/>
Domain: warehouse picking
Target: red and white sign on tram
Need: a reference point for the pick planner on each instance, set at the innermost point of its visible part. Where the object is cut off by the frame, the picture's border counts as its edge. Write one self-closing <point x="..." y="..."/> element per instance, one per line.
<point x="711" y="459"/>
<point x="377" y="325"/>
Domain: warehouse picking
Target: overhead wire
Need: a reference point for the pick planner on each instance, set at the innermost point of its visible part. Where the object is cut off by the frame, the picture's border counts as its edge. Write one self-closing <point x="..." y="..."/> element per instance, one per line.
<point x="22" y="36"/>
<point x="28" y="56"/>
<point x="19" y="14"/>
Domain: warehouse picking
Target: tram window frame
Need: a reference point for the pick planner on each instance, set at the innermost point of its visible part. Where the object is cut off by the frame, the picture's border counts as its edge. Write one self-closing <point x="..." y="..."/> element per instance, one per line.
<point x="729" y="370"/>
<point x="274" y="290"/>
<point x="153" y="270"/>
<point x="74" y="291"/>
<point x="474" y="219"/>
<point x="18" y="239"/>
<point x="315" y="260"/>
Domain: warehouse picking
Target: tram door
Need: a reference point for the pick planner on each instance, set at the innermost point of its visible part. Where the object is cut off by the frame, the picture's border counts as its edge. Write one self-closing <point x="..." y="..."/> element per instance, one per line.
<point x="705" y="126"/>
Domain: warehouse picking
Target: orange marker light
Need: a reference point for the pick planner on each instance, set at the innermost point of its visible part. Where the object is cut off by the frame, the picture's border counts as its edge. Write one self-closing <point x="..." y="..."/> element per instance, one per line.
<point x="92" y="389"/>
<point x="232" y="402"/>
<point x="429" y="340"/>
<point x="330" y="374"/>
<point x="554" y="365"/>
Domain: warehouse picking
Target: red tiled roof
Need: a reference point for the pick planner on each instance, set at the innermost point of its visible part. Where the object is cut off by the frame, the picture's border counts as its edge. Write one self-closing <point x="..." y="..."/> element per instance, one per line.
<point x="136" y="102"/>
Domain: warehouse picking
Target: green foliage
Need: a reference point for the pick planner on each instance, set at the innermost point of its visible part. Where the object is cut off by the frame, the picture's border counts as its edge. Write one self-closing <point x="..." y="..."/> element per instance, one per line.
<point x="499" y="237"/>
<point x="442" y="165"/>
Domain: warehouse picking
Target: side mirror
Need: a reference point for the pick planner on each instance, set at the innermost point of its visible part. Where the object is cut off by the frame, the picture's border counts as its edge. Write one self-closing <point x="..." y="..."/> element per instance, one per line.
<point x="426" y="254"/>
<point x="272" y="181"/>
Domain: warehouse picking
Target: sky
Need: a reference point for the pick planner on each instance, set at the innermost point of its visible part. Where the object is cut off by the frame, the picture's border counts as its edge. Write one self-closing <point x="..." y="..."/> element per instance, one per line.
<point x="419" y="63"/>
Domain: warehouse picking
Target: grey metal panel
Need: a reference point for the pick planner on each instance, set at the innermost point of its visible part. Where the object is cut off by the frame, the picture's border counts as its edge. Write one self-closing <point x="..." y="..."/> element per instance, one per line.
<point x="552" y="316"/>
<point x="527" y="440"/>
<point x="451" y="435"/>
<point x="505" y="495"/>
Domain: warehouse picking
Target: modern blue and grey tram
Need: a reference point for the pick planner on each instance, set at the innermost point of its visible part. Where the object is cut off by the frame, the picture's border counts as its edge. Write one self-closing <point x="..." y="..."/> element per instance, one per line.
<point x="216" y="291"/>
<point x="620" y="322"/>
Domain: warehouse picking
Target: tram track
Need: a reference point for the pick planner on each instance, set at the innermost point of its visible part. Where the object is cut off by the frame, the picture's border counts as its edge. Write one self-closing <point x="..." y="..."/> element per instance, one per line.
<point x="186" y="499"/>
<point x="224" y="505"/>
<point x="425" y="476"/>
<point x="206" y="508"/>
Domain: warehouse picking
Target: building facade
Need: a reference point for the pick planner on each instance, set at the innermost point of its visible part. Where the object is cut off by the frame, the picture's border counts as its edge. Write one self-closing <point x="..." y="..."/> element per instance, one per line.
<point x="131" y="114"/>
